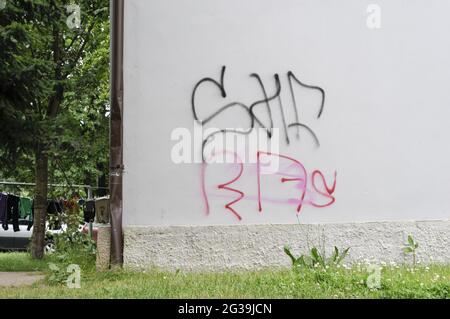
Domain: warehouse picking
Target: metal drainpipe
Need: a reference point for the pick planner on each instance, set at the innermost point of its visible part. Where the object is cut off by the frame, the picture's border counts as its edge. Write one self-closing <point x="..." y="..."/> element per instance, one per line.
<point x="116" y="131"/>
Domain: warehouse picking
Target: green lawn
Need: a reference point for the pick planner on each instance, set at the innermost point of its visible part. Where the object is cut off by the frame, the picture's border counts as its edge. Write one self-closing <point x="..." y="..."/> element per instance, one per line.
<point x="396" y="282"/>
<point x="21" y="262"/>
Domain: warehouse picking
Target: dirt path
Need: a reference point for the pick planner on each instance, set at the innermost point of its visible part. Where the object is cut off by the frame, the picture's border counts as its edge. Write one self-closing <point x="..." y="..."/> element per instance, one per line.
<point x="15" y="279"/>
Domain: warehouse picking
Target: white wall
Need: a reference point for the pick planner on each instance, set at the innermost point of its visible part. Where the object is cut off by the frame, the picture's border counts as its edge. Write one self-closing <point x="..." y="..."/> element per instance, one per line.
<point x="384" y="126"/>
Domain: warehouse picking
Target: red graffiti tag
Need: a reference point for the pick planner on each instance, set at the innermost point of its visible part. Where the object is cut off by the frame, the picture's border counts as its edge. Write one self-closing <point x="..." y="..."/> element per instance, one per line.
<point x="298" y="179"/>
<point x="225" y="185"/>
<point x="299" y="176"/>
<point x="329" y="190"/>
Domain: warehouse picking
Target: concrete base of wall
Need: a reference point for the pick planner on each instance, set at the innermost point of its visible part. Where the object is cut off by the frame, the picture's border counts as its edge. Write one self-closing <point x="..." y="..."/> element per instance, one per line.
<point x="103" y="247"/>
<point x="260" y="246"/>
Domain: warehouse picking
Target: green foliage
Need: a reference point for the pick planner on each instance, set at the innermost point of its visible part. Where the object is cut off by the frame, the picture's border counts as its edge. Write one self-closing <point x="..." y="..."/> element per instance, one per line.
<point x="25" y="82"/>
<point x="67" y="243"/>
<point x="71" y="247"/>
<point x="71" y="241"/>
<point x="57" y="274"/>
<point x="316" y="259"/>
<point x="43" y="59"/>
<point x="411" y="248"/>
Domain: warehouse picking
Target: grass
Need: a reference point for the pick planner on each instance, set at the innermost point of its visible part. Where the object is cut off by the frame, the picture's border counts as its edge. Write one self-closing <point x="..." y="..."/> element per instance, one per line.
<point x="21" y="262"/>
<point x="396" y="282"/>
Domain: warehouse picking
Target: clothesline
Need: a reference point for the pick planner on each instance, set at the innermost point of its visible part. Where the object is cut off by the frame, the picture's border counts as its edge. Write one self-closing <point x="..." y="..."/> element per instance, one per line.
<point x="52" y="185"/>
<point x="13" y="208"/>
<point x="89" y="187"/>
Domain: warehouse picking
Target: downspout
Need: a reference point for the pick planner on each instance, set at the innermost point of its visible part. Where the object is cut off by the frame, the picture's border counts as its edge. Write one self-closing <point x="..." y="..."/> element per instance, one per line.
<point x="116" y="131"/>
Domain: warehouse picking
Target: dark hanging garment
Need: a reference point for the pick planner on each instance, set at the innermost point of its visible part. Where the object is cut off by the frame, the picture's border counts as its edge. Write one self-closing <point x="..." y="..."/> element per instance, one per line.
<point x="30" y="223"/>
<point x="81" y="202"/>
<point x="13" y="211"/>
<point x="54" y="208"/>
<point x="89" y="211"/>
<point x="3" y="214"/>
<point x="60" y="206"/>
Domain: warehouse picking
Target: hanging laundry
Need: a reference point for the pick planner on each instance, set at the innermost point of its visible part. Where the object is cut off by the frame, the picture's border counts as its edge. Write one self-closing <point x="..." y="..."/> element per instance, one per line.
<point x="12" y="210"/>
<point x="89" y="211"/>
<point x="31" y="220"/>
<point x="81" y="202"/>
<point x="3" y="214"/>
<point x="25" y="207"/>
<point x="61" y="205"/>
<point x="54" y="208"/>
<point x="102" y="210"/>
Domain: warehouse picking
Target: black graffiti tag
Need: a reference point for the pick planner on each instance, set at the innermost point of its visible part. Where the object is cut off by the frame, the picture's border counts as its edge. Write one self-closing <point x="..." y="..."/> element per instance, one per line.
<point x="264" y="103"/>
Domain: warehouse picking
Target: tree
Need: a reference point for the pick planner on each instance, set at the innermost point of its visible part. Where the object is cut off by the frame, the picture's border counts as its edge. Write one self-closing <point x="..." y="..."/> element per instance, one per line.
<point x="54" y="92"/>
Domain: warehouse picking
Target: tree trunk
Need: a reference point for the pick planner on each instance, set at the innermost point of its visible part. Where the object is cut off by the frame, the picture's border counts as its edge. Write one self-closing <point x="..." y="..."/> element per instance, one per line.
<point x="40" y="207"/>
<point x="40" y="204"/>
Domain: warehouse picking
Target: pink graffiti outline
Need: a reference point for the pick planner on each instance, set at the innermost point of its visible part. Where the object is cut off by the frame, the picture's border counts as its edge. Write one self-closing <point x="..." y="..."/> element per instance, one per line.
<point x="283" y="180"/>
<point x="329" y="190"/>
<point x="225" y="185"/>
